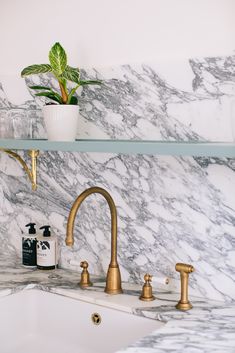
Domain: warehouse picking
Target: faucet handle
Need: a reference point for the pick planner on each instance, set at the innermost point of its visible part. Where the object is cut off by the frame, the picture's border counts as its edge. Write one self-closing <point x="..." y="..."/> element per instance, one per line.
<point x="147" y="291"/>
<point x="148" y="278"/>
<point x="85" y="277"/>
<point x="184" y="269"/>
<point x="84" y="265"/>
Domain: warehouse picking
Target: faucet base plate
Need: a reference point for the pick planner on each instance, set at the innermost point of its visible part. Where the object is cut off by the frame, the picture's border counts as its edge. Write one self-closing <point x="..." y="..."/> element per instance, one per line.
<point x="113" y="291"/>
<point x="113" y="280"/>
<point x="184" y="306"/>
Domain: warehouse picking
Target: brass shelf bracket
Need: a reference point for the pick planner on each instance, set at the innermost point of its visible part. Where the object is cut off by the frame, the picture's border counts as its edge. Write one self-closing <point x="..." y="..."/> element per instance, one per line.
<point x="32" y="173"/>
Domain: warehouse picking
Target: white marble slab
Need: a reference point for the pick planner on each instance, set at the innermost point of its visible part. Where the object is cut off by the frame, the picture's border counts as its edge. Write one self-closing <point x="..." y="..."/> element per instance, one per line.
<point x="169" y="209"/>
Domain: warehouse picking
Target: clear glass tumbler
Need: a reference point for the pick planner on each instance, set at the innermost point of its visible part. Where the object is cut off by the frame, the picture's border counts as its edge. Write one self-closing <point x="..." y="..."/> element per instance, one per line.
<point x="6" y="127"/>
<point x="35" y="121"/>
<point x="22" y="125"/>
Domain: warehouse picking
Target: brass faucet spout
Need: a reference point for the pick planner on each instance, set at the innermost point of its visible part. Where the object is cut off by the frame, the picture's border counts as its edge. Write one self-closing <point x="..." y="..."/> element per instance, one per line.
<point x="113" y="279"/>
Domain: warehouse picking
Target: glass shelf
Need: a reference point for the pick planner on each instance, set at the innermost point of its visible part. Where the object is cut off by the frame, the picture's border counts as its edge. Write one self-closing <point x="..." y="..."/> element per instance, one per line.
<point x="197" y="148"/>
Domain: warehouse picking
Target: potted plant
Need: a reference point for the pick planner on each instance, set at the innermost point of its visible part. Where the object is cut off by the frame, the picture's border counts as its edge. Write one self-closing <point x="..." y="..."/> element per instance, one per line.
<point x="61" y="114"/>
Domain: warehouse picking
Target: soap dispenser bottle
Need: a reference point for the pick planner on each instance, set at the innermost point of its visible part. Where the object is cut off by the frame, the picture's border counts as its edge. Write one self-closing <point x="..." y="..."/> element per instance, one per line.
<point x="29" y="247"/>
<point x="47" y="250"/>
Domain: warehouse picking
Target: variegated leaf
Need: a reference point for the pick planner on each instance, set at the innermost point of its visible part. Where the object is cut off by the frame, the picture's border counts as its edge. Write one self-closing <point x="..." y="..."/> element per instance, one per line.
<point x="71" y="74"/>
<point x="36" y="69"/>
<point x="58" y="59"/>
<point x="90" y="82"/>
<point x="40" y="87"/>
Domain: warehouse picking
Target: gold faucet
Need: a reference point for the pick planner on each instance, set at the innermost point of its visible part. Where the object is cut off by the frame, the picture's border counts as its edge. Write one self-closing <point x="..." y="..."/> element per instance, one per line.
<point x="184" y="269"/>
<point x="113" y="278"/>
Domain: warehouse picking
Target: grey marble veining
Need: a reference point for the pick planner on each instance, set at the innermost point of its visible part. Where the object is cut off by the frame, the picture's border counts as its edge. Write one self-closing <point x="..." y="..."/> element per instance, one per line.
<point x="207" y="328"/>
<point x="188" y="100"/>
<point x="169" y="209"/>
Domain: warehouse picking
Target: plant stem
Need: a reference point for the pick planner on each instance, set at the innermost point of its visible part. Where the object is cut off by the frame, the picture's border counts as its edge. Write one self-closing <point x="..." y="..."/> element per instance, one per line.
<point x="64" y="94"/>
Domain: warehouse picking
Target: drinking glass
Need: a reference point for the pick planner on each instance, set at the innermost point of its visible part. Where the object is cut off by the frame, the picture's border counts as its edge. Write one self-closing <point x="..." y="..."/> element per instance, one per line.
<point x="6" y="128"/>
<point x="35" y="121"/>
<point x="22" y="125"/>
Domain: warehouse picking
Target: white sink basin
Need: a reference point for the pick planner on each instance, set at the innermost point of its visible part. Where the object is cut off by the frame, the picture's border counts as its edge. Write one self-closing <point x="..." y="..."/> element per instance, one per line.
<point x="34" y="321"/>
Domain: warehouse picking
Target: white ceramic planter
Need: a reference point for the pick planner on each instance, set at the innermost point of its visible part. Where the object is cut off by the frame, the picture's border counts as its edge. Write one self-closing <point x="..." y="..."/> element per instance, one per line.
<point x="61" y="122"/>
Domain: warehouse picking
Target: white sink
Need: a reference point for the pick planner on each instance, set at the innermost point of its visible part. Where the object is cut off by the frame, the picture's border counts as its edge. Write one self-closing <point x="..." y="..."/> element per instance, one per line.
<point x="34" y="321"/>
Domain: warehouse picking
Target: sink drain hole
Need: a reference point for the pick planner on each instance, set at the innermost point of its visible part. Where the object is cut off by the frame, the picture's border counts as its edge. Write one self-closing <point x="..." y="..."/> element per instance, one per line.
<point x="96" y="319"/>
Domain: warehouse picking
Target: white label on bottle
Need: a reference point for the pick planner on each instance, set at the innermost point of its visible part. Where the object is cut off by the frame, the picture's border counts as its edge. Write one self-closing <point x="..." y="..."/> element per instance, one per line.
<point x="46" y="253"/>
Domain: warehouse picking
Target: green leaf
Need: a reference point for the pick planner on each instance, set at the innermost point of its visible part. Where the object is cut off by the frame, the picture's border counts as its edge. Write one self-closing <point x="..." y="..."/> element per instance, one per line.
<point x="58" y="59"/>
<point x="73" y="100"/>
<point x="40" y="87"/>
<point x="57" y="95"/>
<point x="71" y="74"/>
<point x="71" y="93"/>
<point x="50" y="95"/>
<point x="90" y="82"/>
<point x="48" y="89"/>
<point x="36" y="69"/>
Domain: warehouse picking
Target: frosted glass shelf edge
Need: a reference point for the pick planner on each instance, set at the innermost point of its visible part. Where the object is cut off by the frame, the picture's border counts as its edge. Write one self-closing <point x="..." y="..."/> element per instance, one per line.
<point x="206" y="149"/>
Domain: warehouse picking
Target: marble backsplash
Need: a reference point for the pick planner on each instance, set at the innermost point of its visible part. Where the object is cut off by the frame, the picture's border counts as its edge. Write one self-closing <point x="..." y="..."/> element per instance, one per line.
<point x="170" y="209"/>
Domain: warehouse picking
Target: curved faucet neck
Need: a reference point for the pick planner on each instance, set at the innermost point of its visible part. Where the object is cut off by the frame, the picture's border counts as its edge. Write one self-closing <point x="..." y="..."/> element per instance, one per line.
<point x="73" y="212"/>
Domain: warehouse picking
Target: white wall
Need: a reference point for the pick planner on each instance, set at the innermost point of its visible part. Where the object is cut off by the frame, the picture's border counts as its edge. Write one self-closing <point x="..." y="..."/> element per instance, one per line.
<point x="109" y="32"/>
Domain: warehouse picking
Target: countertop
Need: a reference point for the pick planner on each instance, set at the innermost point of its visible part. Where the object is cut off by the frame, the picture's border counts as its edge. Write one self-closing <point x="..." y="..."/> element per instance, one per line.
<point x="208" y="327"/>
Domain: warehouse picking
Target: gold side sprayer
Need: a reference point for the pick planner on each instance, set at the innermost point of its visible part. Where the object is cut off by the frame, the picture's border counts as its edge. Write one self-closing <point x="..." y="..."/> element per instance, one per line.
<point x="184" y="269"/>
<point x="113" y="278"/>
